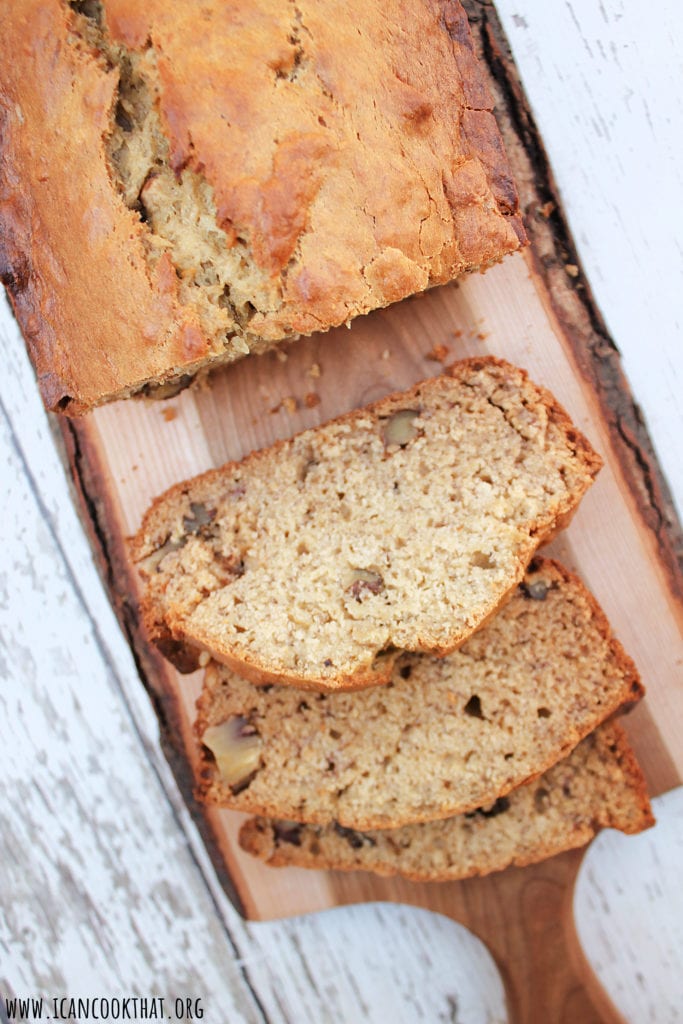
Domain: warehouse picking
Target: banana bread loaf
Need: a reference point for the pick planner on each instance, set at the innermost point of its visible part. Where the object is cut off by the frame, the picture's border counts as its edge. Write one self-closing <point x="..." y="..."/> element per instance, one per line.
<point x="599" y="785"/>
<point x="443" y="736"/>
<point x="400" y="526"/>
<point x="226" y="176"/>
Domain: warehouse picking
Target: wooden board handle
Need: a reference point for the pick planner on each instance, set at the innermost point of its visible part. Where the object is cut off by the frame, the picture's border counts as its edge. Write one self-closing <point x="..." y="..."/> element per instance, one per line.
<point x="547" y="978"/>
<point x="525" y="918"/>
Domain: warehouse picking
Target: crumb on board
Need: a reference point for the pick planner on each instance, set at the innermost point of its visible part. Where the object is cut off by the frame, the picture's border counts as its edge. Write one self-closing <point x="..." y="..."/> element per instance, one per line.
<point x="546" y="209"/>
<point x="314" y="371"/>
<point x="457" y="333"/>
<point x="439" y="354"/>
<point x="290" y="404"/>
<point x="200" y="382"/>
<point x="482" y="336"/>
<point x="278" y="353"/>
<point x="311" y="400"/>
<point x="572" y="269"/>
<point x="386" y="354"/>
<point x="170" y="413"/>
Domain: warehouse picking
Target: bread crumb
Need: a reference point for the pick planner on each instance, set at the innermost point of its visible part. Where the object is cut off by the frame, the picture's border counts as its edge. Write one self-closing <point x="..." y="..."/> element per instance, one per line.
<point x="288" y="404"/>
<point x="386" y="354"/>
<point x="281" y="356"/>
<point x="311" y="400"/>
<point x="201" y="381"/>
<point x="439" y="354"/>
<point x="572" y="269"/>
<point x="482" y="336"/>
<point x="169" y="414"/>
<point x="547" y="209"/>
<point x="457" y="334"/>
<point x="314" y="371"/>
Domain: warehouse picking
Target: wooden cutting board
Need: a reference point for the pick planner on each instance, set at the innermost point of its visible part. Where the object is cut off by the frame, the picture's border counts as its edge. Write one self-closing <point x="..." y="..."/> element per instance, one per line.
<point x="535" y="310"/>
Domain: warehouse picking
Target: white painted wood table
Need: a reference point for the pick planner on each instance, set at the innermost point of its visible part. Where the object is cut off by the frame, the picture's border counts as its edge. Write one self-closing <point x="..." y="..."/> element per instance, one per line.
<point x="105" y="888"/>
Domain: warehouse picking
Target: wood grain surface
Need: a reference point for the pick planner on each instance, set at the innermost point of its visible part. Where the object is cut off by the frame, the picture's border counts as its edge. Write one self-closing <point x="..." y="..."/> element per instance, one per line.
<point x="638" y="537"/>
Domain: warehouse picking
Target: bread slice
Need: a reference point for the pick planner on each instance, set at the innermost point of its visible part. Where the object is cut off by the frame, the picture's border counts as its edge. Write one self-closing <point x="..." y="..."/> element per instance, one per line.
<point x="225" y="179"/>
<point x="599" y="785"/>
<point x="444" y="736"/>
<point x="397" y="527"/>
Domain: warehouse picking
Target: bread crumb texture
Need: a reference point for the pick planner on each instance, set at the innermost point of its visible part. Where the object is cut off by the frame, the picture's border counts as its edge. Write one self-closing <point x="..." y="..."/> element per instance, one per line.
<point x="599" y="785"/>
<point x="398" y="527"/>
<point x="443" y="736"/>
<point x="227" y="175"/>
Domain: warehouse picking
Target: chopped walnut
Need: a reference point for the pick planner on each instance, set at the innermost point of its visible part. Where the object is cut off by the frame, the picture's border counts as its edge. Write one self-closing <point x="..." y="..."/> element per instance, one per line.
<point x="365" y="582"/>
<point x="400" y="429"/>
<point x="236" y="747"/>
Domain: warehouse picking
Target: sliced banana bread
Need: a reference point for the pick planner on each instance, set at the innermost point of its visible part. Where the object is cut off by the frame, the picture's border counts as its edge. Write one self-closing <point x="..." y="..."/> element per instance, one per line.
<point x="599" y="785"/>
<point x="445" y="735"/>
<point x="397" y="527"/>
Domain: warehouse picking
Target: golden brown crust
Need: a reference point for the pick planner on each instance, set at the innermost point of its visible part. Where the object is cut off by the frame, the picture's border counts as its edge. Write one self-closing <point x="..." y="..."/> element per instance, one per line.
<point x="556" y="411"/>
<point x="379" y="172"/>
<point x="625" y="663"/>
<point x="643" y="816"/>
<point x="68" y="244"/>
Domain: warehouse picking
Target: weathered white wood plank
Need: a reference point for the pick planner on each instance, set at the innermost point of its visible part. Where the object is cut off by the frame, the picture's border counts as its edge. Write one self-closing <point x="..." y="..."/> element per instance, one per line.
<point x="629" y="890"/>
<point x="406" y="965"/>
<point x="604" y="82"/>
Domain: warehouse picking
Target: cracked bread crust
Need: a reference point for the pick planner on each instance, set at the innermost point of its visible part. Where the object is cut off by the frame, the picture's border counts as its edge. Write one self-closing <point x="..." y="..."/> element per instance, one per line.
<point x="70" y="250"/>
<point x="224" y="181"/>
<point x="444" y="736"/>
<point x="600" y="785"/>
<point x="444" y="524"/>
